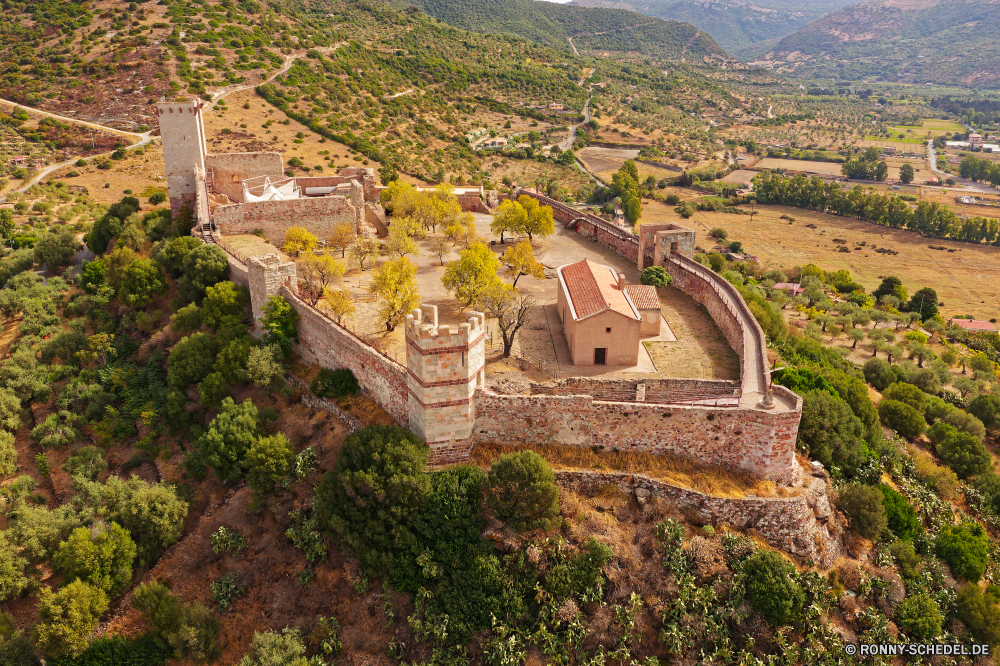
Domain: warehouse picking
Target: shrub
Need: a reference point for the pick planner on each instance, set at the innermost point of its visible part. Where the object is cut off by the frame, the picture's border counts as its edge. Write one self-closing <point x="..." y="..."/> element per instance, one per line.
<point x="263" y="365"/>
<point x="101" y="557"/>
<point x="190" y="360"/>
<point x="187" y="319"/>
<point x="203" y="267"/>
<point x="334" y="383"/>
<point x="268" y="461"/>
<point x="16" y="650"/>
<point x="864" y="509"/>
<point x="830" y="431"/>
<point x="373" y="490"/>
<point x="225" y="540"/>
<point x="190" y="630"/>
<point x="907" y="560"/>
<point x="878" y="373"/>
<point x="279" y="324"/>
<point x="987" y="409"/>
<point x="772" y="586"/>
<point x="271" y="648"/>
<point x="719" y="233"/>
<point x="522" y="491"/>
<point x="67" y="618"/>
<point x="900" y="514"/>
<point x="920" y="617"/>
<point x="12" y="564"/>
<point x="226" y="589"/>
<point x="157" y="198"/>
<point x="965" y="548"/>
<point x="656" y="276"/>
<point x="152" y="513"/>
<point x="980" y="611"/>
<point x="8" y="454"/>
<point x="141" y="651"/>
<point x="902" y="418"/>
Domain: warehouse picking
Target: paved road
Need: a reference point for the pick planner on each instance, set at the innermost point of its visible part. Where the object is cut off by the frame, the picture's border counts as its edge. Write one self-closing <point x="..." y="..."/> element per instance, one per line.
<point x="970" y="186"/>
<point x="568" y="143"/>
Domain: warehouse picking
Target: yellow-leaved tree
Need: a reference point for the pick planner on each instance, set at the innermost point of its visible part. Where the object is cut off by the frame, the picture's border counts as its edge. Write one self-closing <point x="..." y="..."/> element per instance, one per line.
<point x="472" y="275"/>
<point x="298" y="239"/>
<point x="520" y="260"/>
<point x="395" y="285"/>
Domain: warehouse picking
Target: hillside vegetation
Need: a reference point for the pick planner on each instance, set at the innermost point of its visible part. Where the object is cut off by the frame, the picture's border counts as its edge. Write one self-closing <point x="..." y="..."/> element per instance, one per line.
<point x="944" y="41"/>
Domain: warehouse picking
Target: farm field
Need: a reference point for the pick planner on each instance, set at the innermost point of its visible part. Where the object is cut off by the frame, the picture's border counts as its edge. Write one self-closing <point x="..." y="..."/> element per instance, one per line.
<point x="830" y="168"/>
<point x="918" y="133"/>
<point x="966" y="276"/>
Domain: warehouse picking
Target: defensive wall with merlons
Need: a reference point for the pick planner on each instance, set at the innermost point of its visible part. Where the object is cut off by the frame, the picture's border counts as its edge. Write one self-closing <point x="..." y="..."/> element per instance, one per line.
<point x="439" y="389"/>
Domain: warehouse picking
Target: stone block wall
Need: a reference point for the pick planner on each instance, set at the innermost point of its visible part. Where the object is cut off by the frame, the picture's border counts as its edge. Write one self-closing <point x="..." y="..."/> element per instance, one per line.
<point x="320" y="215"/>
<point x="757" y="441"/>
<point x="229" y="170"/>
<point x="183" y="130"/>
<point x="444" y="365"/>
<point x="804" y="525"/>
<point x="266" y="275"/>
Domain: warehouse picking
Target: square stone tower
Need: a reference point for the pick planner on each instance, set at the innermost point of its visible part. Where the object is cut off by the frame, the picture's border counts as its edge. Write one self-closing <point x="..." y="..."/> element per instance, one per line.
<point x="182" y="130"/>
<point x="444" y="366"/>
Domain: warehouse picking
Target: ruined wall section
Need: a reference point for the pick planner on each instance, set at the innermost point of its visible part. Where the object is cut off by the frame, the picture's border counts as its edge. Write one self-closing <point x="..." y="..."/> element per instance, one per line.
<point x="757" y="441"/>
<point x="320" y="215"/>
<point x="229" y="170"/>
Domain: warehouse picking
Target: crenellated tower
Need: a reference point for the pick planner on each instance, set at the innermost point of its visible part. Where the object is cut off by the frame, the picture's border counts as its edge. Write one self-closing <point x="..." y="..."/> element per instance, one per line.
<point x="444" y="366"/>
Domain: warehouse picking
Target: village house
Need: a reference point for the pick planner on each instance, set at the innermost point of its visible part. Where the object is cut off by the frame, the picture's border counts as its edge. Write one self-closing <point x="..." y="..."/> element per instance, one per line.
<point x="603" y="318"/>
<point x="972" y="324"/>
<point x="790" y="288"/>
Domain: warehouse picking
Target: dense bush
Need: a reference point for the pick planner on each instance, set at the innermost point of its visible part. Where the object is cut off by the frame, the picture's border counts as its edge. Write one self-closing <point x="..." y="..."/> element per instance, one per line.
<point x="878" y="373"/>
<point x="830" y="431"/>
<point x="900" y="514"/>
<point x="223" y="306"/>
<point x="656" y="276"/>
<point x="153" y="514"/>
<point x="965" y="548"/>
<point x="268" y="461"/>
<point x="203" y="267"/>
<point x="170" y="254"/>
<point x="8" y="454"/>
<point x="374" y="489"/>
<point x="142" y="651"/>
<point x="102" y="557"/>
<point x="12" y="577"/>
<point x="920" y="617"/>
<point x="191" y="631"/>
<point x="906" y="393"/>
<point x="962" y="452"/>
<point x="190" y="360"/>
<point x="772" y="586"/>
<point x="279" y="324"/>
<point x="802" y="380"/>
<point x="272" y="648"/>
<point x="334" y="383"/>
<point x="67" y="618"/>
<point x="232" y="432"/>
<point x="864" y="509"/>
<point x="980" y="611"/>
<point x="987" y="409"/>
<point x="902" y="418"/>
<point x="522" y="491"/>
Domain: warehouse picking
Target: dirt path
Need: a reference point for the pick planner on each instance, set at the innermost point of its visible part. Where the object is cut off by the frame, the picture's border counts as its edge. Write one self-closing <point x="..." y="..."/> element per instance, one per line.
<point x="573" y="45"/>
<point x="568" y="142"/>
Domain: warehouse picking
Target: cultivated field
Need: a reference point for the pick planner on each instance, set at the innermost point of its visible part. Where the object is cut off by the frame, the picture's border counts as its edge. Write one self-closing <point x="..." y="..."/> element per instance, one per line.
<point x="966" y="276"/>
<point x="605" y="159"/>
<point x="829" y="168"/>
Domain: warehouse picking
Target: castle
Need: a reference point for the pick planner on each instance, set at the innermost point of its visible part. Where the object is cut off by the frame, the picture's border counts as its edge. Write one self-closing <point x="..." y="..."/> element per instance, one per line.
<point x="440" y="392"/>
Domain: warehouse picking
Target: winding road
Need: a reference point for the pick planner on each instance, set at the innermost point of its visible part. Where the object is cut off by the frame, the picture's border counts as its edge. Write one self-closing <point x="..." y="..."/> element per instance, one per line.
<point x="568" y="142"/>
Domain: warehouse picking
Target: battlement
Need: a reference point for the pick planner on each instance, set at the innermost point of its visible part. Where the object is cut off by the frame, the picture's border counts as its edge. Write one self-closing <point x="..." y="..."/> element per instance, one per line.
<point x="444" y="366"/>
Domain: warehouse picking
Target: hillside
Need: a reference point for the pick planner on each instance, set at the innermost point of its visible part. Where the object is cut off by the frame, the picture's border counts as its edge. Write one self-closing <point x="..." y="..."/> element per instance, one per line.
<point x="941" y="41"/>
<point x="737" y="26"/>
<point x="599" y="31"/>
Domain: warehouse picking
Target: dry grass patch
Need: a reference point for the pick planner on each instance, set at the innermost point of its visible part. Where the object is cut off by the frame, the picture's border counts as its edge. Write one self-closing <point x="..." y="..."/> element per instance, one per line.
<point x="244" y="246"/>
<point x="709" y="479"/>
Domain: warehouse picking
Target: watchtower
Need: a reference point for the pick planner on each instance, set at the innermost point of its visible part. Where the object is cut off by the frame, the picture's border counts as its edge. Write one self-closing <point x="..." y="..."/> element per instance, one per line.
<point x="444" y="366"/>
<point x="182" y="129"/>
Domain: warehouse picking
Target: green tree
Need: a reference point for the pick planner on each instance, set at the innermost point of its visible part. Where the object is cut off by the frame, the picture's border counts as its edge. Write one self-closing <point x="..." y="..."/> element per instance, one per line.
<point x="540" y="220"/>
<point x="906" y="173"/>
<point x="191" y="630"/>
<point x="986" y="408"/>
<point x="656" y="276"/>
<point x="92" y="276"/>
<point x="864" y="508"/>
<point x="153" y="514"/>
<point x="187" y="319"/>
<point x="67" y="618"/>
<point x="229" y="437"/>
<point x="6" y="223"/>
<point x="170" y="254"/>
<point x="522" y="491"/>
<point x="924" y="303"/>
<point x="919" y="616"/>
<point x="223" y="305"/>
<point x="55" y="250"/>
<point x="8" y="454"/>
<point x="372" y="492"/>
<point x="12" y="578"/>
<point x="772" y="587"/>
<point x="273" y="648"/>
<point x="900" y="514"/>
<point x="279" y="324"/>
<point x="141" y="281"/>
<point x="902" y="418"/>
<point x="830" y="431"/>
<point x="268" y="461"/>
<point x="509" y="217"/>
<point x="109" y="225"/>
<point x="474" y="273"/>
<point x="203" y="267"/>
<point x="101" y="557"/>
<point x="965" y="548"/>
<point x="190" y="360"/>
<point x="964" y="454"/>
<point x="907" y="393"/>
<point x="263" y="365"/>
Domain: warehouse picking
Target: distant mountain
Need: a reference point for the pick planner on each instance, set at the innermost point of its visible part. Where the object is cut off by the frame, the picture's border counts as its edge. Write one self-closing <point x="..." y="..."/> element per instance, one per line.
<point x="741" y="27"/>
<point x="595" y="31"/>
<point x="913" y="41"/>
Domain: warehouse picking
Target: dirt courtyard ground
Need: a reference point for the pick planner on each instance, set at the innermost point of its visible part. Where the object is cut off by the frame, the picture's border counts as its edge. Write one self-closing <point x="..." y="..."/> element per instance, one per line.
<point x="966" y="276"/>
<point x="698" y="351"/>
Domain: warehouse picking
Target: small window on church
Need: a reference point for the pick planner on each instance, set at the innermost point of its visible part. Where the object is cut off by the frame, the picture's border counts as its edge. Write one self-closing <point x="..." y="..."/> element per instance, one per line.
<point x="607" y="330"/>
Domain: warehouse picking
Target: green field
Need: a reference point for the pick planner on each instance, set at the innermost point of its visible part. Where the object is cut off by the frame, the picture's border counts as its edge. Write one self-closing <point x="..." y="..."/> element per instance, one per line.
<point x="918" y="133"/>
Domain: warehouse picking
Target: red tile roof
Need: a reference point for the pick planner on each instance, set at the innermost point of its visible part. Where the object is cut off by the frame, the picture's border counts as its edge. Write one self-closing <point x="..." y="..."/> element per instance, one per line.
<point x="593" y="288"/>
<point x="644" y="296"/>
<point x="973" y="324"/>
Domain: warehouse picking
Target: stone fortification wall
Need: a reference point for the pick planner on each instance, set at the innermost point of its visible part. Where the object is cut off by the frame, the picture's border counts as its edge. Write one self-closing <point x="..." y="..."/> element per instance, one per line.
<point x="320" y="215"/>
<point x="323" y="342"/>
<point x="757" y="441"/>
<point x="229" y="170"/>
<point x="471" y="202"/>
<point x="804" y="525"/>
